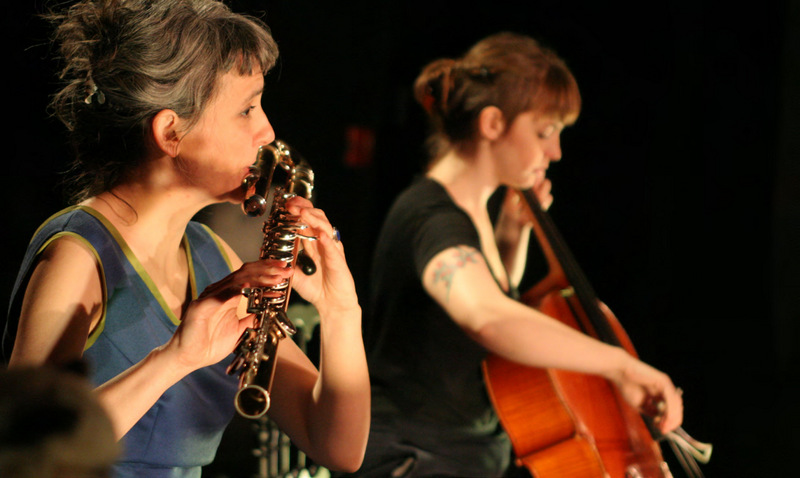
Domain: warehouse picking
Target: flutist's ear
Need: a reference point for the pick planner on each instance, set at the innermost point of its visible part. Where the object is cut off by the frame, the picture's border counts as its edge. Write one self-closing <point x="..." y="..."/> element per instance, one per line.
<point x="165" y="132"/>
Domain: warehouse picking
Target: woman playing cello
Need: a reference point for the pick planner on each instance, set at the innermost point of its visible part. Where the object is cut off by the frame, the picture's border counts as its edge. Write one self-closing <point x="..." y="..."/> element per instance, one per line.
<point x="443" y="288"/>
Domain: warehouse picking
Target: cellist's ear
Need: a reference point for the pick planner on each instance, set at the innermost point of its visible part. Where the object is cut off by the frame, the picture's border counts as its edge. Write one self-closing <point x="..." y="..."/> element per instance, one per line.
<point x="164" y="130"/>
<point x="491" y="123"/>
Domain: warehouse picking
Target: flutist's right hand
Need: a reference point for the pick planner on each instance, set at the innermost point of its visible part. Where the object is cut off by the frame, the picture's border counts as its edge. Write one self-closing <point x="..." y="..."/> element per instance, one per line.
<point x="332" y="405"/>
<point x="211" y="326"/>
<point x="331" y="289"/>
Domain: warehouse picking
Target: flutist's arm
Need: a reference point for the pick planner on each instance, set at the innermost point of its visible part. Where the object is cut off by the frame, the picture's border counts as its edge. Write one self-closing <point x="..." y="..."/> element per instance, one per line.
<point x="63" y="303"/>
<point x="326" y="412"/>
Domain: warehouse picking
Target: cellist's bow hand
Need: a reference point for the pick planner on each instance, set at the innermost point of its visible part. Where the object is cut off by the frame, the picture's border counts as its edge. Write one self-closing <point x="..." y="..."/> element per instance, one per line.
<point x="652" y="393"/>
<point x="655" y="407"/>
<point x="667" y="407"/>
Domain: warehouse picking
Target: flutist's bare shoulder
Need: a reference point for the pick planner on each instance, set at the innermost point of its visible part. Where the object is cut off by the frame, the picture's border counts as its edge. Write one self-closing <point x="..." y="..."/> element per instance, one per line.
<point x="62" y="304"/>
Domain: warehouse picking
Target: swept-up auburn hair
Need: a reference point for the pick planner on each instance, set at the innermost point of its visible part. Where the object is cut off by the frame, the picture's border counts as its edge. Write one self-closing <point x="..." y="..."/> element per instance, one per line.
<point x="507" y="70"/>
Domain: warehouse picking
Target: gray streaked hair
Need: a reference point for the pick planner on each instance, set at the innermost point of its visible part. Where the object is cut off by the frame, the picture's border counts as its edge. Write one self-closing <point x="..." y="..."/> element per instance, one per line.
<point x="126" y="60"/>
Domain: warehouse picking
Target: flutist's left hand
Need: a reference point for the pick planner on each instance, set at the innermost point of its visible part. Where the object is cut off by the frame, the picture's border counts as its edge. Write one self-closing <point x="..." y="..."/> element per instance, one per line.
<point x="331" y="288"/>
<point x="211" y="325"/>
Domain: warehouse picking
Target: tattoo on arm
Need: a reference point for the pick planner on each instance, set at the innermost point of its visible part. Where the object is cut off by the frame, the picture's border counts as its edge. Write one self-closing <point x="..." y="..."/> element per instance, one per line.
<point x="446" y="268"/>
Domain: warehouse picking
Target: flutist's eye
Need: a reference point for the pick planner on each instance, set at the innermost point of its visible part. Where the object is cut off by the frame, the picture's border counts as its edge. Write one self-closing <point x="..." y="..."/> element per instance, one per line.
<point x="248" y="110"/>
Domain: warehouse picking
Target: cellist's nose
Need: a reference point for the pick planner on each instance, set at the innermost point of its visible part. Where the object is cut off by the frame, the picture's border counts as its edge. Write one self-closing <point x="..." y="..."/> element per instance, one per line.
<point x="554" y="149"/>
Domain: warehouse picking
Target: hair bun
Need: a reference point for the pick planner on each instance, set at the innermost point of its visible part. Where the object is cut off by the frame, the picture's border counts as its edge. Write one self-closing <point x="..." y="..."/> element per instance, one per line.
<point x="433" y="85"/>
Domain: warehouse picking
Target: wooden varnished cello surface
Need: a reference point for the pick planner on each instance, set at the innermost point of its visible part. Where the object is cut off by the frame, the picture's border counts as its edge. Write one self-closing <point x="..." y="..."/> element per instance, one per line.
<point x="565" y="424"/>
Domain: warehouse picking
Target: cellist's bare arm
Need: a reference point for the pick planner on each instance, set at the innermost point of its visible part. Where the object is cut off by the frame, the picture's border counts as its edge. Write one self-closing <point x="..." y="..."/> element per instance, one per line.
<point x="459" y="280"/>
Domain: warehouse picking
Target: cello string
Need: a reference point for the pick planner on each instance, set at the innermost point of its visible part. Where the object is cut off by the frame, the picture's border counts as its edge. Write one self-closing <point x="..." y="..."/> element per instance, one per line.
<point x="581" y="287"/>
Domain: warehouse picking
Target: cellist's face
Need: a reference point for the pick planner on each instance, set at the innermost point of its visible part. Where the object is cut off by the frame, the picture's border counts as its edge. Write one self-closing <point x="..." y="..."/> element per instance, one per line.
<point x="526" y="149"/>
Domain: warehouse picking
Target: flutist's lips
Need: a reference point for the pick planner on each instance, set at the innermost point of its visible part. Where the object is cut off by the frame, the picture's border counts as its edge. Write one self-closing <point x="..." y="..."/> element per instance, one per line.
<point x="249" y="177"/>
<point x="240" y="193"/>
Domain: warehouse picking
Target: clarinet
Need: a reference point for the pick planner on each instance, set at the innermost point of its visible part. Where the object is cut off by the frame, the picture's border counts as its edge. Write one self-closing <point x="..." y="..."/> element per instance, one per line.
<point x="256" y="352"/>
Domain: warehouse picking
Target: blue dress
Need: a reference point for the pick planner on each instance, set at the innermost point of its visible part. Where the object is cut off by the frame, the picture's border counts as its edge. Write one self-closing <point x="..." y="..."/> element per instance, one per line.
<point x="181" y="432"/>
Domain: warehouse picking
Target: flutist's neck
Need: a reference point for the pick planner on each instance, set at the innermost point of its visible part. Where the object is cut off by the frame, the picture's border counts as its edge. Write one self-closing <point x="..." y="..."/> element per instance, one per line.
<point x="155" y="222"/>
<point x="152" y="226"/>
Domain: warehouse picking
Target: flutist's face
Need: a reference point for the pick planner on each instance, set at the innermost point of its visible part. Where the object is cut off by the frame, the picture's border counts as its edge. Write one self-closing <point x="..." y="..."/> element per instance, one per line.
<point x="215" y="154"/>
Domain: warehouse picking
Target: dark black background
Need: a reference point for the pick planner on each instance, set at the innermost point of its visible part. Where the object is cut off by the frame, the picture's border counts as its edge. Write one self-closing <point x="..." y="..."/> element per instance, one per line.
<point x="678" y="191"/>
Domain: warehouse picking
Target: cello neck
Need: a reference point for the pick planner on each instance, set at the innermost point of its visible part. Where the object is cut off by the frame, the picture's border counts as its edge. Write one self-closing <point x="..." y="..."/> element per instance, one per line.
<point x="563" y="265"/>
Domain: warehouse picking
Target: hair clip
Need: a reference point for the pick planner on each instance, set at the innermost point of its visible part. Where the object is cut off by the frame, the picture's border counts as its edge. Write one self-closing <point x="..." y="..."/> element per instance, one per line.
<point x="481" y="72"/>
<point x="94" y="91"/>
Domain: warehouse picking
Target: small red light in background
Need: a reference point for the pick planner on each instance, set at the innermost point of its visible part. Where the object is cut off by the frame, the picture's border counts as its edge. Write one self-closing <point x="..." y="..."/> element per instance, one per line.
<point x="359" y="146"/>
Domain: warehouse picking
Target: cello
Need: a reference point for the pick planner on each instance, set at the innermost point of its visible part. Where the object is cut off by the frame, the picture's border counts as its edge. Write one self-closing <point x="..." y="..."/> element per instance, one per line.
<point x="565" y="424"/>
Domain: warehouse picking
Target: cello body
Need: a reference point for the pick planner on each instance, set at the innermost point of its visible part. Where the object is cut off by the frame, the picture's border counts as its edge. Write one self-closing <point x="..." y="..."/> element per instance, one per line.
<point x="565" y="424"/>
